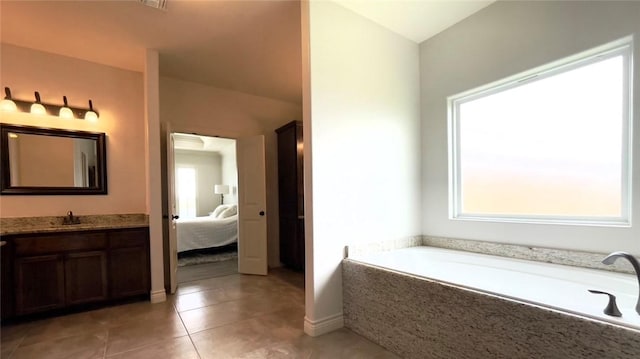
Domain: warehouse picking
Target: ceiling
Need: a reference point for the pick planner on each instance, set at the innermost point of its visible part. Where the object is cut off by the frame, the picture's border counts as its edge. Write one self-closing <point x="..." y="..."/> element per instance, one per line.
<point x="190" y="142"/>
<point x="240" y="45"/>
<point x="416" y="20"/>
<point x="248" y="46"/>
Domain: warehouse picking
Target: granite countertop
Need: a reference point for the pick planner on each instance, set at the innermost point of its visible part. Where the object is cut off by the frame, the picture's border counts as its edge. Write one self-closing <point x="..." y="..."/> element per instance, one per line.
<point x="25" y="225"/>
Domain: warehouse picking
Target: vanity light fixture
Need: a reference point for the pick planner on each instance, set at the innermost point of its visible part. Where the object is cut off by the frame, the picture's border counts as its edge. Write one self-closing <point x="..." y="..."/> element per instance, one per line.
<point x="37" y="108"/>
<point x="40" y="108"/>
<point x="65" y="111"/>
<point x="7" y="103"/>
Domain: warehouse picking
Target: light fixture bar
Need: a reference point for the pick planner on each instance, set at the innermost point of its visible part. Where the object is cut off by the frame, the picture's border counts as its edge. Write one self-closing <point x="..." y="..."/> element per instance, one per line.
<point x="50" y="109"/>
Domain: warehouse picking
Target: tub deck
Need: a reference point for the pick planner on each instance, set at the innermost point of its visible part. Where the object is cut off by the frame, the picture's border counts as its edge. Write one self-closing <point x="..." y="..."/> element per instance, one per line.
<point x="437" y="314"/>
<point x="558" y="287"/>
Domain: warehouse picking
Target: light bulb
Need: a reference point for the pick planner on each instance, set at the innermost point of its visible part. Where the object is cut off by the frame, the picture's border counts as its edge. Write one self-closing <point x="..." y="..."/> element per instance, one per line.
<point x="65" y="111"/>
<point x="91" y="115"/>
<point x="7" y="104"/>
<point x="37" y="108"/>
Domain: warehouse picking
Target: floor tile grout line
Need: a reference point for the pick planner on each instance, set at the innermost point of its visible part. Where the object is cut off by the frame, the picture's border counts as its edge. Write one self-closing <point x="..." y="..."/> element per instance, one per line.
<point x="231" y="323"/>
<point x="106" y="343"/>
<point x="212" y="304"/>
<point x="24" y="337"/>
<point x="19" y="344"/>
<point x="187" y="330"/>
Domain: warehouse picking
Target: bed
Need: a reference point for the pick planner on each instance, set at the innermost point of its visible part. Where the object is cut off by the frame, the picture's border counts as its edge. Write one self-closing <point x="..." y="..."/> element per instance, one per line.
<point x="206" y="232"/>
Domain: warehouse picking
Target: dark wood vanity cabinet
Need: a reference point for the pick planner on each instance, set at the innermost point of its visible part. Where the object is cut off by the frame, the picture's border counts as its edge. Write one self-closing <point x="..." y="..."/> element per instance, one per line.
<point x="59" y="270"/>
<point x="129" y="263"/>
<point x="39" y="283"/>
<point x="291" y="195"/>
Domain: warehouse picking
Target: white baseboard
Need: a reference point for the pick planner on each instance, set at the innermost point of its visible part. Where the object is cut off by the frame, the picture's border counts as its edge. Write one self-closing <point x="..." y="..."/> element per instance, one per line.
<point x="158" y="296"/>
<point x="323" y="326"/>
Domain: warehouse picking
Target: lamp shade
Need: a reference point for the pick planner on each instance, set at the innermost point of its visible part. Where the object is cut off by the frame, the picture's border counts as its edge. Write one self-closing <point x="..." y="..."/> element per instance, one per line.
<point x="65" y="111"/>
<point x="7" y="103"/>
<point x="221" y="189"/>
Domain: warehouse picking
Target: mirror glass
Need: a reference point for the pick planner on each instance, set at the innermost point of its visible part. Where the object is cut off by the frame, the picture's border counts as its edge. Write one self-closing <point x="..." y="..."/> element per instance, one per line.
<point x="52" y="161"/>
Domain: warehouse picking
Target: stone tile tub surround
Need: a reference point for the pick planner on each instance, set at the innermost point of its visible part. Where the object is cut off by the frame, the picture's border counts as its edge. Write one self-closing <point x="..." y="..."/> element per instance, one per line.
<point x="538" y="254"/>
<point x="420" y="318"/>
<point x="46" y="224"/>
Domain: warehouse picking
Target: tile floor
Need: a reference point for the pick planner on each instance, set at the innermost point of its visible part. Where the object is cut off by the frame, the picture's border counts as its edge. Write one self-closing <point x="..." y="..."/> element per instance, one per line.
<point x="233" y="316"/>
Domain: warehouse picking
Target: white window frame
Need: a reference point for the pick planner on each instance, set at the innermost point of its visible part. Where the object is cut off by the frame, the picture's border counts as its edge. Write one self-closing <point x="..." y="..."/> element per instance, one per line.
<point x="622" y="47"/>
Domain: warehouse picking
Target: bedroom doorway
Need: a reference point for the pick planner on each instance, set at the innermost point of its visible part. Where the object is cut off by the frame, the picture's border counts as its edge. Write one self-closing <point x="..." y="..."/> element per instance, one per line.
<point x="205" y="178"/>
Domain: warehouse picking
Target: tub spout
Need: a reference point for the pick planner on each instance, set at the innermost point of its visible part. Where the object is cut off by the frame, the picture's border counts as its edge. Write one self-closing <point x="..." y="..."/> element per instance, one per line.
<point x="636" y="267"/>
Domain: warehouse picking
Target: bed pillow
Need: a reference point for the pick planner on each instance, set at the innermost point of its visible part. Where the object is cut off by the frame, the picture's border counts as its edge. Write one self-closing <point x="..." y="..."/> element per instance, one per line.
<point x="216" y="212"/>
<point x="232" y="210"/>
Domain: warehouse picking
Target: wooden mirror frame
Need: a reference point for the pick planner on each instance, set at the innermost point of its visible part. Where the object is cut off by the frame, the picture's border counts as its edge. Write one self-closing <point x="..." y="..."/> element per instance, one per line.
<point x="101" y="162"/>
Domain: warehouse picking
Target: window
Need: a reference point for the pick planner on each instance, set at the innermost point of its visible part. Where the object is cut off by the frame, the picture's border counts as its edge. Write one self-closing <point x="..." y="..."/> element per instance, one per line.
<point x="186" y="191"/>
<point x="549" y="145"/>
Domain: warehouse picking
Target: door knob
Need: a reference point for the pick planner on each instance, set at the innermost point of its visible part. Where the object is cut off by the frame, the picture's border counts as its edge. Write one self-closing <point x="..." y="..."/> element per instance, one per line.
<point x="261" y="213"/>
<point x="175" y="217"/>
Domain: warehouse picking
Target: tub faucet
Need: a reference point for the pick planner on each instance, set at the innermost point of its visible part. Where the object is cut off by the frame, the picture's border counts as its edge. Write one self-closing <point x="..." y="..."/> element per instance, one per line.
<point x="636" y="267"/>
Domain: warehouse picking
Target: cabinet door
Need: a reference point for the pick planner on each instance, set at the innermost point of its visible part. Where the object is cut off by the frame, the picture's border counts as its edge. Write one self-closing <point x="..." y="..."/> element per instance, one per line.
<point x="129" y="271"/>
<point x="39" y="283"/>
<point x="86" y="277"/>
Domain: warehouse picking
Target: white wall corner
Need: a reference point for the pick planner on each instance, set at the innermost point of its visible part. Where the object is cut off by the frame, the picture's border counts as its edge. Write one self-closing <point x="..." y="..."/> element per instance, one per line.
<point x="323" y="326"/>
<point x="158" y="296"/>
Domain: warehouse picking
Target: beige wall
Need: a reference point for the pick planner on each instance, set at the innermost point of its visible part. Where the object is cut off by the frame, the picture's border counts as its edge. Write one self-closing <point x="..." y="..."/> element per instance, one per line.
<point x="40" y="167"/>
<point x="117" y="95"/>
<point x="194" y="108"/>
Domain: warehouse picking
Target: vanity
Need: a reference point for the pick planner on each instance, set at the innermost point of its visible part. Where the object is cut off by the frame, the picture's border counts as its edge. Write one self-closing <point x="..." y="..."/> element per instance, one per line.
<point x="56" y="264"/>
<point x="54" y="268"/>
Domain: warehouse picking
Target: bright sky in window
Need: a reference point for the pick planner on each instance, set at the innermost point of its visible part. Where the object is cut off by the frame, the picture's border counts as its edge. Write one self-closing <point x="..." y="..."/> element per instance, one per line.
<point x="551" y="146"/>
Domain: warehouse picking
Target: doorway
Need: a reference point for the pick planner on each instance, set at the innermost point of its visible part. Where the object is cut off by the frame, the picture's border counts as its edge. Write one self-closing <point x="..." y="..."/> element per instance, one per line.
<point x="248" y="202"/>
<point x="206" y="201"/>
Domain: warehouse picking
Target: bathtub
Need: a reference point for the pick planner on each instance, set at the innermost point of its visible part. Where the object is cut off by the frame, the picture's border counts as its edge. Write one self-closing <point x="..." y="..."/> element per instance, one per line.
<point x="554" y="286"/>
<point x="427" y="302"/>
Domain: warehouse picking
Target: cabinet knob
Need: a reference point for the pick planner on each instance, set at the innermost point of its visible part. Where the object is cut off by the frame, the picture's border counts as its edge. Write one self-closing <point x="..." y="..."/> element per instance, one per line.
<point x="261" y="213"/>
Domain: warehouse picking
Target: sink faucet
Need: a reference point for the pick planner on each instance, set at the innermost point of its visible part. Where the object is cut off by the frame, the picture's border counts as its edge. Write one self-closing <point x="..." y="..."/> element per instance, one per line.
<point x="634" y="262"/>
<point x="70" y="219"/>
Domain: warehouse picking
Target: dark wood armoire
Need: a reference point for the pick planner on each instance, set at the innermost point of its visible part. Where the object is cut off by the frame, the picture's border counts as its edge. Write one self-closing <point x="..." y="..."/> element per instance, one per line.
<point x="291" y="195"/>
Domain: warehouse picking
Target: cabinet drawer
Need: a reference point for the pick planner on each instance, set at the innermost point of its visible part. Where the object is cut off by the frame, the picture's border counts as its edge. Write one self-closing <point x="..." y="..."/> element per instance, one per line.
<point x="44" y="244"/>
<point x="129" y="238"/>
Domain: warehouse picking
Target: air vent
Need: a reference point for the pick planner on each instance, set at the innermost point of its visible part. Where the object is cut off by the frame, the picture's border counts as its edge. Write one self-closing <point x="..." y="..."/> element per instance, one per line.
<point x="157" y="4"/>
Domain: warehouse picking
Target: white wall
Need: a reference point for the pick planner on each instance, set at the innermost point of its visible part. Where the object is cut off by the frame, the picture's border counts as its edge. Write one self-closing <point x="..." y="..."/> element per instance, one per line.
<point x="208" y="166"/>
<point x="502" y="40"/>
<point x="364" y="125"/>
<point x="230" y="173"/>
<point x="190" y="107"/>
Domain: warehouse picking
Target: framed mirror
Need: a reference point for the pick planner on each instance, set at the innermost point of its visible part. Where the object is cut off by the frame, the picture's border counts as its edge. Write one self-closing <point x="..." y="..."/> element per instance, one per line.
<point x="46" y="161"/>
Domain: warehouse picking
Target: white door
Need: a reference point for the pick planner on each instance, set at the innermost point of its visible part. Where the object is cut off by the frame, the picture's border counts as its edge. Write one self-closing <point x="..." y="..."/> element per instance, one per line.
<point x="171" y="202"/>
<point x="252" y="205"/>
